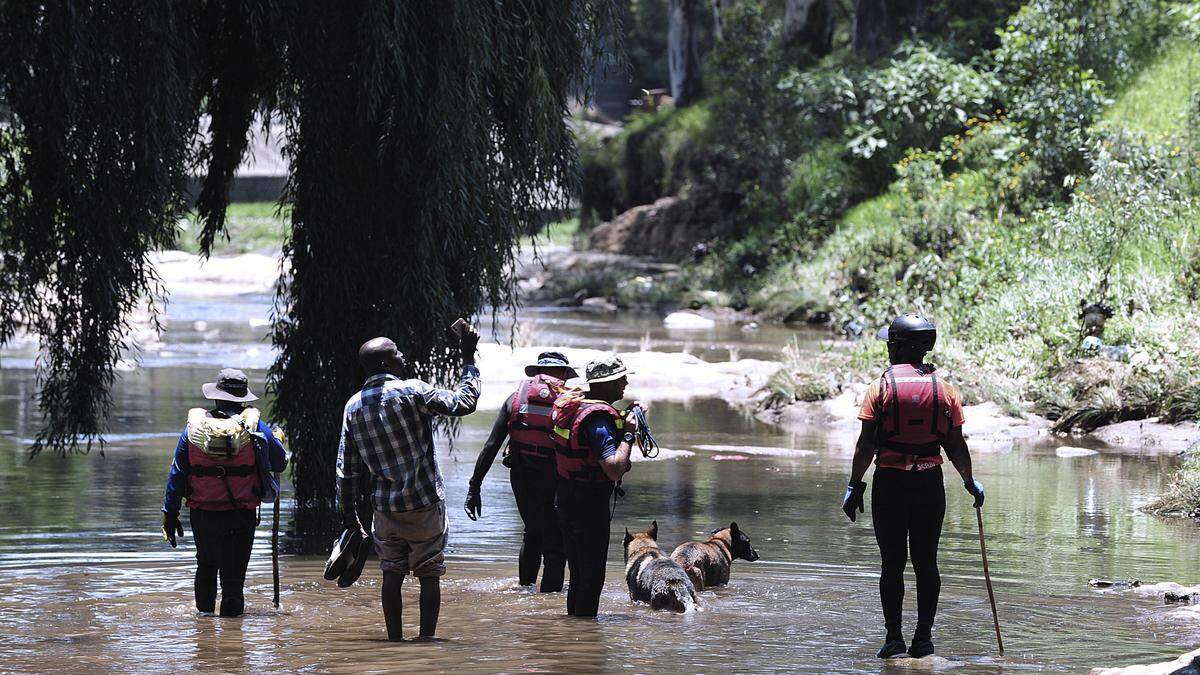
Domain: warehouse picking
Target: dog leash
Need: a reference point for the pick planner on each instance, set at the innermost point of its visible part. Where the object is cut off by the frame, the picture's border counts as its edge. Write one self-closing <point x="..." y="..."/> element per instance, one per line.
<point x="646" y="444"/>
<point x="645" y="439"/>
<point x="618" y="492"/>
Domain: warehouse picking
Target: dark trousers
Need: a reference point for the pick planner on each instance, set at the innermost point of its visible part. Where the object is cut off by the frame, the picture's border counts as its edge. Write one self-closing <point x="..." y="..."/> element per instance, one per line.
<point x="907" y="508"/>
<point x="533" y="485"/>
<point x="223" y="542"/>
<point x="583" y="512"/>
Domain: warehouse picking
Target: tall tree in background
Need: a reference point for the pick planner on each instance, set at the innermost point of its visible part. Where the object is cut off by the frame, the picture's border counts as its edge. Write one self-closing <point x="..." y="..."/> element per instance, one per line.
<point x="719" y="8"/>
<point x="425" y="139"/>
<point x="879" y="24"/>
<point x="808" y="25"/>
<point x="682" y="50"/>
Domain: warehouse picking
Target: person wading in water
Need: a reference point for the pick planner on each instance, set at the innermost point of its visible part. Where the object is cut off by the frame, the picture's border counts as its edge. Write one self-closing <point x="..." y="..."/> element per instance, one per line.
<point x="225" y="464"/>
<point x="594" y="441"/>
<point x="908" y="416"/>
<point x="525" y="420"/>
<point x="387" y="436"/>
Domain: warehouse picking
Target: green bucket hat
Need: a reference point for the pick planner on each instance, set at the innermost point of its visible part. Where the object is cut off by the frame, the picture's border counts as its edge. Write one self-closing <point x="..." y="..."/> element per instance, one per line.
<point x="606" y="369"/>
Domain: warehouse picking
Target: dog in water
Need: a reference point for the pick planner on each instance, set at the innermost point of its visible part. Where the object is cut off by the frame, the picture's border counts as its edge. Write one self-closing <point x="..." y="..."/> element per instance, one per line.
<point x="707" y="563"/>
<point x="653" y="577"/>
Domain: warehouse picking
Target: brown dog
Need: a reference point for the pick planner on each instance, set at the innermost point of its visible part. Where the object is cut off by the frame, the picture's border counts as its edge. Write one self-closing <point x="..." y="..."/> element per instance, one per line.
<point x="707" y="563"/>
<point x="653" y="577"/>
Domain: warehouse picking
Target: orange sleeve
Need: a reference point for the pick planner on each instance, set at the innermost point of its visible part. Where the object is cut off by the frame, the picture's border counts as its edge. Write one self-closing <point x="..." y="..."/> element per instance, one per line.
<point x="956" y="410"/>
<point x="867" y="411"/>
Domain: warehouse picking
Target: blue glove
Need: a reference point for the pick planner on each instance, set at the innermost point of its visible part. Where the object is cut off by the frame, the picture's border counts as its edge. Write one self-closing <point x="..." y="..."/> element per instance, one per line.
<point x="976" y="488"/>
<point x="853" y="499"/>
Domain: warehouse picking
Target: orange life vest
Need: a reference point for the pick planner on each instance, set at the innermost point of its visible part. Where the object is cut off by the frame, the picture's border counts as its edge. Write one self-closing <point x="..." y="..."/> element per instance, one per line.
<point x="530" y="429"/>
<point x="573" y="459"/>
<point x="224" y="475"/>
<point x="914" y="417"/>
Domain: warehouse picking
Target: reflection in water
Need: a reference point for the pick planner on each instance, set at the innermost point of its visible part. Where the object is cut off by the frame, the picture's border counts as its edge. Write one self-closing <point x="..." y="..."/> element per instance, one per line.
<point x="87" y="584"/>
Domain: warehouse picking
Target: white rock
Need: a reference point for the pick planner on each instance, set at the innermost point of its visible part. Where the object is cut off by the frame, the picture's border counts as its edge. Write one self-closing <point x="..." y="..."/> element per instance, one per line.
<point x="688" y="321"/>
<point x="1068" y="451"/>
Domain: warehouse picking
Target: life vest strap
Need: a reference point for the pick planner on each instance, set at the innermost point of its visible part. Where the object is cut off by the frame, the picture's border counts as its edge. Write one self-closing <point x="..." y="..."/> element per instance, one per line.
<point x="890" y="459"/>
<point x="221" y="471"/>
<point x="539" y="451"/>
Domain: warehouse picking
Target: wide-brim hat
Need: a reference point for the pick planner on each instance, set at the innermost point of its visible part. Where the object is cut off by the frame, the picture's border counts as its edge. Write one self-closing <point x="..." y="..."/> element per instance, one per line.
<point x="231" y="385"/>
<point x="606" y="369"/>
<point x="549" y="360"/>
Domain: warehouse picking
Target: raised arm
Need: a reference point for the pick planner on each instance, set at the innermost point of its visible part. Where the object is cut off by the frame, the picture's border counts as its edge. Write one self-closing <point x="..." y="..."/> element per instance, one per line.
<point x="458" y="402"/>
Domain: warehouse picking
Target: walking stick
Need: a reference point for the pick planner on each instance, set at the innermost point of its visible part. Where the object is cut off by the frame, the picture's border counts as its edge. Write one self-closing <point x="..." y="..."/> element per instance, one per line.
<point x="275" y="548"/>
<point x="987" y="576"/>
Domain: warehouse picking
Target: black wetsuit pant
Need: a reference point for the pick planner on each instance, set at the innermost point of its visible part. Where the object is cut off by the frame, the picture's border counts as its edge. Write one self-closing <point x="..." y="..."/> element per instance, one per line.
<point x="223" y="542"/>
<point x="907" y="508"/>
<point x="533" y="485"/>
<point x="583" y="512"/>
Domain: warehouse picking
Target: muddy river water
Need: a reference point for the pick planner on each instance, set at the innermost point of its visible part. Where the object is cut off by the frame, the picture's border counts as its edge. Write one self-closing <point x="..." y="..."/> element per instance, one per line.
<point x="87" y="585"/>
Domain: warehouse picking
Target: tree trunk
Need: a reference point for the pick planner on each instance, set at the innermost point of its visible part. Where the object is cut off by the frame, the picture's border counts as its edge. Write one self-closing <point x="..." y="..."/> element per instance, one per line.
<point x="718" y="7"/>
<point x="808" y="24"/>
<point x="879" y="24"/>
<point x="683" y="61"/>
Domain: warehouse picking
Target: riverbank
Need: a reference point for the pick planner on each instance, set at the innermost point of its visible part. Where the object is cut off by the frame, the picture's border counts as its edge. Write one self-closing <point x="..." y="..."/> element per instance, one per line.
<point x="990" y="424"/>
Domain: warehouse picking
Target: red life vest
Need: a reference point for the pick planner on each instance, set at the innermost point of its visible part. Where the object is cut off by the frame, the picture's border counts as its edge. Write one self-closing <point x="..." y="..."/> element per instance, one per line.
<point x="221" y="452"/>
<point x="530" y="429"/>
<point x="573" y="459"/>
<point x="914" y="416"/>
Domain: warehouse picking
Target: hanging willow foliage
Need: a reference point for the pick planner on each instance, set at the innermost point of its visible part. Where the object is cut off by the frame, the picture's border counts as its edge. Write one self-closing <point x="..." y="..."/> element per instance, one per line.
<point x="102" y="108"/>
<point x="425" y="139"/>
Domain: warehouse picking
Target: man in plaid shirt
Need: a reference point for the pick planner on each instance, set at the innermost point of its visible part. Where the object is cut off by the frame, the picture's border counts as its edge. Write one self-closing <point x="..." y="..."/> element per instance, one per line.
<point x="388" y="429"/>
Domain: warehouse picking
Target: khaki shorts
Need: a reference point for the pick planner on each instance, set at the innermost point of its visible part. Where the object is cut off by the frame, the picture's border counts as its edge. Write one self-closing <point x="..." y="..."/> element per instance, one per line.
<point x="412" y="541"/>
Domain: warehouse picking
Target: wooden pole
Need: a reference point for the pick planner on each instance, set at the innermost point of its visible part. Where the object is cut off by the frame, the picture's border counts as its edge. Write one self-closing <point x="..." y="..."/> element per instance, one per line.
<point x="275" y="548"/>
<point x="987" y="576"/>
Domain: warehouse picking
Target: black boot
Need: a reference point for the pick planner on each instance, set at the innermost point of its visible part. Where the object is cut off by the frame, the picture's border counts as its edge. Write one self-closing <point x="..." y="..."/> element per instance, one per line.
<point x="921" y="646"/>
<point x="892" y="648"/>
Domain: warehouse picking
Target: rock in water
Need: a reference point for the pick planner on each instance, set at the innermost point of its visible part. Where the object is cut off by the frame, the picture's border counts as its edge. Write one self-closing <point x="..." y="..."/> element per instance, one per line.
<point x="1118" y="583"/>
<point x="688" y="321"/>
<point x="1068" y="451"/>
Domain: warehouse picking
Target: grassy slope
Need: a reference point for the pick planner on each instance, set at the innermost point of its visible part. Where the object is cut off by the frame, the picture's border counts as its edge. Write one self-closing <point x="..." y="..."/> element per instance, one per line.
<point x="252" y="226"/>
<point x="1156" y="102"/>
<point x="1028" y="287"/>
<point x="261" y="226"/>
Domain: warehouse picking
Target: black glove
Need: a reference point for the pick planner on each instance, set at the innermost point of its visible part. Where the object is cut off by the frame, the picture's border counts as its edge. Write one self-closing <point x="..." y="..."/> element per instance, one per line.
<point x="171" y="527"/>
<point x="853" y="499"/>
<point x="474" y="504"/>
<point x="976" y="488"/>
<point x="468" y="341"/>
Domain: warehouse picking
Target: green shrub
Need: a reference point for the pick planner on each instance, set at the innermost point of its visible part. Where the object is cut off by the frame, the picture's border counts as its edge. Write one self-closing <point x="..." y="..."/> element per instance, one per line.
<point x="655" y="155"/>
<point x="916" y="100"/>
<point x="821" y="185"/>
<point x="1055" y="58"/>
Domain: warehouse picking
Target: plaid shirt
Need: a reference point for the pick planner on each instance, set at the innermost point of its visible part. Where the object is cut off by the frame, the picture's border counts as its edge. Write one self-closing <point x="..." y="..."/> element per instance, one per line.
<point x="388" y="426"/>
